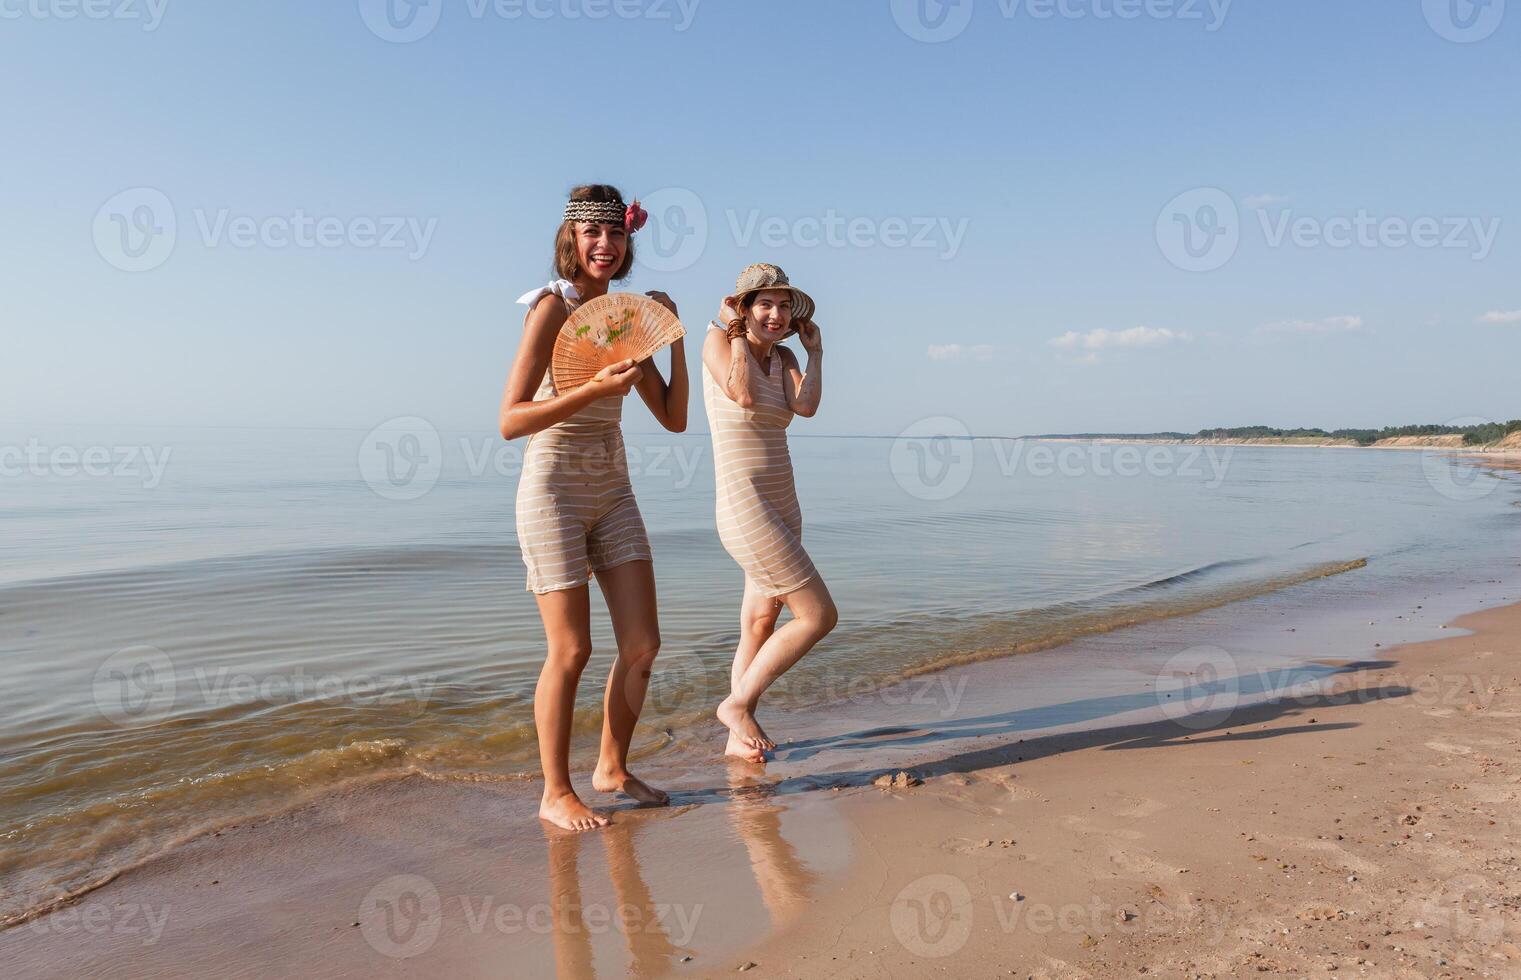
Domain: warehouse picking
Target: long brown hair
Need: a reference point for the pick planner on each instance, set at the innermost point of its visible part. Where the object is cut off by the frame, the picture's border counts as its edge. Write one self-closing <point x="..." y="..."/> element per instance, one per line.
<point x="567" y="264"/>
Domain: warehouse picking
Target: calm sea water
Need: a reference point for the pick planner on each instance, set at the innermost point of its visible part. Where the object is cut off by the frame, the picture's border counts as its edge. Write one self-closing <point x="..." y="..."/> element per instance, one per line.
<point x="200" y="624"/>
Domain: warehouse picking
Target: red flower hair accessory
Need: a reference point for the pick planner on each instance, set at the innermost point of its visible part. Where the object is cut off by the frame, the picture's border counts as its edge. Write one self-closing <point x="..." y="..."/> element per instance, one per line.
<point x="635" y="217"/>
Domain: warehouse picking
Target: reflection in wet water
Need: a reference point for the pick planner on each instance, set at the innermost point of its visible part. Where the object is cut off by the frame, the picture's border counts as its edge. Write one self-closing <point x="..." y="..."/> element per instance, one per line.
<point x="655" y="931"/>
<point x="785" y="882"/>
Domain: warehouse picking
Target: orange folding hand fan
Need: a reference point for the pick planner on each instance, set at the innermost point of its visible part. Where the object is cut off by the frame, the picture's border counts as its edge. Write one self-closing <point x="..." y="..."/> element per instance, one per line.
<point x="606" y="330"/>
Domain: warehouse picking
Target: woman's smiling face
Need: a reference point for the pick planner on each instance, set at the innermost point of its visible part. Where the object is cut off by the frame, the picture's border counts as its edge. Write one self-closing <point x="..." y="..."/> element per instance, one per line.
<point x="600" y="249"/>
<point x="770" y="315"/>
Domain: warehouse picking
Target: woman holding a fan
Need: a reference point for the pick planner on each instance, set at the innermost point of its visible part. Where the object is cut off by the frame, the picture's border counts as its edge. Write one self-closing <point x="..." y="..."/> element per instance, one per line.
<point x="752" y="387"/>
<point x="576" y="513"/>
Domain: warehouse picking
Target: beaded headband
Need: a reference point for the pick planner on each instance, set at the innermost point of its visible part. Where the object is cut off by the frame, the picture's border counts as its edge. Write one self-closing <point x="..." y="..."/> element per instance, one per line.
<point x="631" y="216"/>
<point x="607" y="212"/>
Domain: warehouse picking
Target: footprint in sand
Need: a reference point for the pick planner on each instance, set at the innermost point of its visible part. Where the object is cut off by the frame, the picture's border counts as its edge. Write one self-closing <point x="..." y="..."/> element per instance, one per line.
<point x="1135" y="807"/>
<point x="1341" y="855"/>
<point x="1082" y="826"/>
<point x="1140" y="867"/>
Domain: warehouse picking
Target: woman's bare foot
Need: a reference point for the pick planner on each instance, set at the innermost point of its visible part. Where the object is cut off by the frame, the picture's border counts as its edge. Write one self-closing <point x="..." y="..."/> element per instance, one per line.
<point x="568" y="813"/>
<point x="740" y="750"/>
<point x="743" y="724"/>
<point x="625" y="782"/>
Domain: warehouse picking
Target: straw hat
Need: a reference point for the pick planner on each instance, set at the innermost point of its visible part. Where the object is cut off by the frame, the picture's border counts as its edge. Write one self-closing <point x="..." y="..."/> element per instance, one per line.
<point x="764" y="275"/>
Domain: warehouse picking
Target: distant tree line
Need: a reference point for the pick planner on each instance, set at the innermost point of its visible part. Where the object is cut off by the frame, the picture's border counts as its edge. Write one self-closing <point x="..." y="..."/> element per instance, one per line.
<point x="1473" y="435"/>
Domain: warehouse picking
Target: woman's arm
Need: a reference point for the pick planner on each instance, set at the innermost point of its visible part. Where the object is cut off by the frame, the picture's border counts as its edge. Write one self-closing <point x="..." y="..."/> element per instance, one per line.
<point x="805" y="389"/>
<point x="521" y="415"/>
<point x="730" y="364"/>
<point x="667" y="402"/>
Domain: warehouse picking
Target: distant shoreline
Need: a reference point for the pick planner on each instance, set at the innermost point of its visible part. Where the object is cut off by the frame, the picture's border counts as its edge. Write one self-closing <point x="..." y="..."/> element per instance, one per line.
<point x="1479" y="438"/>
<point x="1453" y="443"/>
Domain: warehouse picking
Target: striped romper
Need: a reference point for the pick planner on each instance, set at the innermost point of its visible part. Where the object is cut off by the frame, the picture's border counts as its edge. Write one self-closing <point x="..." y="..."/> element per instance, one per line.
<point x="576" y="512"/>
<point x="759" y="520"/>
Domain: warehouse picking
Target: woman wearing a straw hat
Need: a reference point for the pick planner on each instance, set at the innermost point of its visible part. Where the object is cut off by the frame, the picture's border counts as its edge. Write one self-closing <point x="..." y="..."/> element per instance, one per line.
<point x="753" y="387"/>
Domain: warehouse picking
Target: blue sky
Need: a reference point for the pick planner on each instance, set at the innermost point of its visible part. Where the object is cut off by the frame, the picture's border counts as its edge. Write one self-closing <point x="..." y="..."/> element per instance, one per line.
<point x="997" y="197"/>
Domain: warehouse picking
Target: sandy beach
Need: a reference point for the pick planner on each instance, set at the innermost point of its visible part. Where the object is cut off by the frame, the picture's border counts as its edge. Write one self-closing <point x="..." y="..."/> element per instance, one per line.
<point x="1368" y="830"/>
<point x="1350" y="815"/>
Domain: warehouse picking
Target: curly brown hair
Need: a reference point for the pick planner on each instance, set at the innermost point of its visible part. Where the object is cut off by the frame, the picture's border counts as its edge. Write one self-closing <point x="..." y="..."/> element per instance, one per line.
<point x="567" y="264"/>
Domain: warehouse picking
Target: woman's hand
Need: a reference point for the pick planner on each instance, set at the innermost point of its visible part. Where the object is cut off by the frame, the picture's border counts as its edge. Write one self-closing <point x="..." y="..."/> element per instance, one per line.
<point x="808" y="333"/>
<point x="663" y="300"/>
<point x="618" y="379"/>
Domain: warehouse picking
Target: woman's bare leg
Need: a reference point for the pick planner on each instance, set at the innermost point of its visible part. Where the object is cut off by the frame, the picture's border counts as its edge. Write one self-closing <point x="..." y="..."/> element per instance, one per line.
<point x="813" y="616"/>
<point x="630" y="592"/>
<point x="567" y="629"/>
<point x="757" y="621"/>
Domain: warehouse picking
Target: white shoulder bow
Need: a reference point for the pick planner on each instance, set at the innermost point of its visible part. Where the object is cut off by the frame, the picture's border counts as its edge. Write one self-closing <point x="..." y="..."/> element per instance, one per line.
<point x="563" y="288"/>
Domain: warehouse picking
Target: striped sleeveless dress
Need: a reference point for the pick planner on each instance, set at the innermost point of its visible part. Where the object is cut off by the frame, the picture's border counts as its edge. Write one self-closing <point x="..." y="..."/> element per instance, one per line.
<point x="576" y="512"/>
<point x="759" y="520"/>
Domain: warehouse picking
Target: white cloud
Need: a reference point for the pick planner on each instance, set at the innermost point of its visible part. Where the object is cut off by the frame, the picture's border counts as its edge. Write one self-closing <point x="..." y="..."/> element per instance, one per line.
<point x="1501" y="316"/>
<point x="1256" y="201"/>
<point x="1101" y="339"/>
<point x="954" y="352"/>
<point x="1330" y="324"/>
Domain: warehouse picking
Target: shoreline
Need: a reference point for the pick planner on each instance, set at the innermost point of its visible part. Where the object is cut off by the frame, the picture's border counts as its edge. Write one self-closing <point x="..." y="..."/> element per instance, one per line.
<point x="324" y="881"/>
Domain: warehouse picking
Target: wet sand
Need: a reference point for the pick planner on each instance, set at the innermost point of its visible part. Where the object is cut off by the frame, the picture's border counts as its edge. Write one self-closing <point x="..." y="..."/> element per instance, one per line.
<point x="1154" y="813"/>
